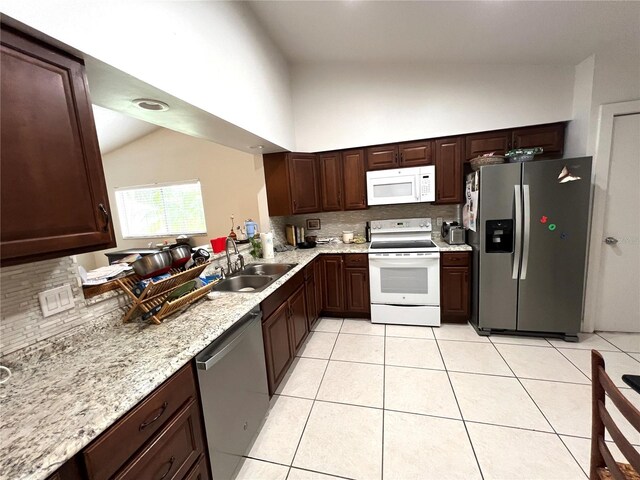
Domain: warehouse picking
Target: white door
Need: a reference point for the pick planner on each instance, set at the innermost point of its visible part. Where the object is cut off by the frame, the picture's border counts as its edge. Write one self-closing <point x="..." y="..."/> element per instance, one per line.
<point x="618" y="305"/>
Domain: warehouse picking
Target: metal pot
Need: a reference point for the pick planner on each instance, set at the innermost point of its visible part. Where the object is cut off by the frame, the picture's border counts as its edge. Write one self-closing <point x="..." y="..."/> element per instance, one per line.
<point x="180" y="255"/>
<point x="152" y="265"/>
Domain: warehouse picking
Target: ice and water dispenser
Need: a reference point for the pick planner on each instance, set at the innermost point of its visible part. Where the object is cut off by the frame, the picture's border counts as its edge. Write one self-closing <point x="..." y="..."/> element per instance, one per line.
<point x="499" y="236"/>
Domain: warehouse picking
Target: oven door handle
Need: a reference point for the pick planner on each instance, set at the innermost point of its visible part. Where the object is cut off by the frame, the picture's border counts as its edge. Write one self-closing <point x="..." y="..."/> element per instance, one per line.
<point x="427" y="262"/>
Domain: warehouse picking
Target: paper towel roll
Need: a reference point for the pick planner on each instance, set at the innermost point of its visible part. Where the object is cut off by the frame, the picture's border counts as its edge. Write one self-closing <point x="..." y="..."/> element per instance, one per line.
<point x="267" y="245"/>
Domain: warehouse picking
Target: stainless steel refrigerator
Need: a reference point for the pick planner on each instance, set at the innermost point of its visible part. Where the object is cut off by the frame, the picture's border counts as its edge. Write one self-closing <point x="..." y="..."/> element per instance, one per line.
<point x="530" y="245"/>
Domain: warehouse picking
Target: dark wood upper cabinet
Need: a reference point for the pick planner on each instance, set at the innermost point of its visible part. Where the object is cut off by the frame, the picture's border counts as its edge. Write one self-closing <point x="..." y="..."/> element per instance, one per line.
<point x="549" y="137"/>
<point x="355" y="180"/>
<point x="332" y="273"/>
<point x="304" y="183"/>
<point x="448" y="160"/>
<point x="292" y="183"/>
<point x="53" y="195"/>
<point x="480" y="143"/>
<point x="382" y="156"/>
<point x="416" y="154"/>
<point x="331" y="181"/>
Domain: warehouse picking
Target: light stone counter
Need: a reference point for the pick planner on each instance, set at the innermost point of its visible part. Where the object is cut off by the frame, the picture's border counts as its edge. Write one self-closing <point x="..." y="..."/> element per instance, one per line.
<point x="56" y="404"/>
<point x="445" y="247"/>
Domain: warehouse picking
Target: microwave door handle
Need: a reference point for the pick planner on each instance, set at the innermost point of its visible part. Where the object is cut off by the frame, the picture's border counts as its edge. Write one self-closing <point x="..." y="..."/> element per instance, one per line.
<point x="517" y="198"/>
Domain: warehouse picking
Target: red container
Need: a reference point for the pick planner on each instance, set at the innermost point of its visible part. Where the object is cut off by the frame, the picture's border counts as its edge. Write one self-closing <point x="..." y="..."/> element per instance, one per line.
<point x="218" y="244"/>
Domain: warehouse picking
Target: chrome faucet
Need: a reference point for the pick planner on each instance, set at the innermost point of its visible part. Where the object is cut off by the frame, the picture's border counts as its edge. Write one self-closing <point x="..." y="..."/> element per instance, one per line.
<point x="233" y="267"/>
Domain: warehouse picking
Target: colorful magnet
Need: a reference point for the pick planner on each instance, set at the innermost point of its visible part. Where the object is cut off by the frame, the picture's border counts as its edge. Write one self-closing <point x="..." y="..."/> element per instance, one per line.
<point x="552" y="226"/>
<point x="563" y="236"/>
<point x="543" y="219"/>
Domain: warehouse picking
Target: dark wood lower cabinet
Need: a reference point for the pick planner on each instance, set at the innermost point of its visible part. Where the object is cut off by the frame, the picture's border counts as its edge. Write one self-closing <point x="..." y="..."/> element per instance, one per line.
<point x="357" y="290"/>
<point x="454" y="287"/>
<point x="298" y="318"/>
<point x="162" y="437"/>
<point x="311" y="290"/>
<point x="345" y="284"/>
<point x="277" y="345"/>
<point x="333" y="277"/>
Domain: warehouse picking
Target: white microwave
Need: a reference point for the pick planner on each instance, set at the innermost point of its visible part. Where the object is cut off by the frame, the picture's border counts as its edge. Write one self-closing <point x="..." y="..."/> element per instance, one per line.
<point x="401" y="185"/>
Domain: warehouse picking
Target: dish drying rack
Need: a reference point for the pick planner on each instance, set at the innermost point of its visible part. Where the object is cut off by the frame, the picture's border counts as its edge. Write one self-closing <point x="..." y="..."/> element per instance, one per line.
<point x="156" y="293"/>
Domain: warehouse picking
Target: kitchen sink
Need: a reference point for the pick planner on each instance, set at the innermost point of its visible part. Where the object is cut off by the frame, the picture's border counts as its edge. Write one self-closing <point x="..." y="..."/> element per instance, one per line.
<point x="244" y="283"/>
<point x="254" y="277"/>
<point x="278" y="269"/>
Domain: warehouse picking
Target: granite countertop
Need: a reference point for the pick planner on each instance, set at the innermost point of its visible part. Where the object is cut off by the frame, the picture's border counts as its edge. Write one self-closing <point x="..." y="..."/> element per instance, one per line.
<point x="56" y="404"/>
<point x="445" y="247"/>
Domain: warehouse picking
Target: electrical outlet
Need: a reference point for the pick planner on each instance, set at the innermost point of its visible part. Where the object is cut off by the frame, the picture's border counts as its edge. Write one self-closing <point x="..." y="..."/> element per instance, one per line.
<point x="439" y="221"/>
<point x="56" y="300"/>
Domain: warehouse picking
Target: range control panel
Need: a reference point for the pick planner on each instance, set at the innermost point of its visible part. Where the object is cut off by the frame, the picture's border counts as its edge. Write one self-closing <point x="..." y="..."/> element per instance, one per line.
<point x="402" y="224"/>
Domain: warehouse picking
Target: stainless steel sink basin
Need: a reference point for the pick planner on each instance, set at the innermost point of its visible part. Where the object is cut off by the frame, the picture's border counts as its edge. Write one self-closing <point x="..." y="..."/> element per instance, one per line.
<point x="278" y="269"/>
<point x="244" y="283"/>
<point x="254" y="277"/>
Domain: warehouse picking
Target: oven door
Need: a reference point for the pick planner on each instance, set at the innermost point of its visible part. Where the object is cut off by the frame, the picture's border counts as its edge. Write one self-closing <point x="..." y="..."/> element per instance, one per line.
<point x="405" y="279"/>
<point x="386" y="187"/>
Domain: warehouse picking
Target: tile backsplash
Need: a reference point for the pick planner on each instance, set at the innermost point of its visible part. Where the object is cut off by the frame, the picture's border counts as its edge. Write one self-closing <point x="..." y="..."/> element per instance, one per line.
<point x="22" y="324"/>
<point x="333" y="223"/>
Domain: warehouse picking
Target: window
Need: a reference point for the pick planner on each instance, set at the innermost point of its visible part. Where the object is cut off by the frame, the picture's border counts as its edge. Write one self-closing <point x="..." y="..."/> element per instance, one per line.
<point x="161" y="210"/>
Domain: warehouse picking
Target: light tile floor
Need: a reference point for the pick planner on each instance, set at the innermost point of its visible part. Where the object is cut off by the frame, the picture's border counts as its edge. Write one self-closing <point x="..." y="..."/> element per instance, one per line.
<point x="370" y="401"/>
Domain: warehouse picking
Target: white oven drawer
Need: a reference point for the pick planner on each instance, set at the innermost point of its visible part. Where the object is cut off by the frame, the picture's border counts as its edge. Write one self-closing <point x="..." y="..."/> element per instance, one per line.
<point x="423" y="315"/>
<point x="398" y="280"/>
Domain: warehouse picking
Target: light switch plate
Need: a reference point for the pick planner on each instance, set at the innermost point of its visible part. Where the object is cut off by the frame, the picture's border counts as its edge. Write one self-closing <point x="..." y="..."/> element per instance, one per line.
<point x="56" y="300"/>
<point x="438" y="221"/>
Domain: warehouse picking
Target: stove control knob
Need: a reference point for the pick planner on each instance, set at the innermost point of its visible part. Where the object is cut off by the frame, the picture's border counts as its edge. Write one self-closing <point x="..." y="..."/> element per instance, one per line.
<point x="422" y="225"/>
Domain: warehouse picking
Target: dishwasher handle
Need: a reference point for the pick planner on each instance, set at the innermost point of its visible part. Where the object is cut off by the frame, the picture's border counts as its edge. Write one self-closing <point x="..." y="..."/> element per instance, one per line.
<point x="217" y="350"/>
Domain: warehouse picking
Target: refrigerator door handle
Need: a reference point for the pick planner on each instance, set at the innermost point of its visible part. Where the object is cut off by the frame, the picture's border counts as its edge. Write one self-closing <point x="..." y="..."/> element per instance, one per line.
<point x="527" y="231"/>
<point x="518" y="231"/>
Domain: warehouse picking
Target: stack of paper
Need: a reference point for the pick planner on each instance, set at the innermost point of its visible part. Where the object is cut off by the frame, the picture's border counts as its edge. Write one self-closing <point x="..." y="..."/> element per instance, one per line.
<point x="104" y="274"/>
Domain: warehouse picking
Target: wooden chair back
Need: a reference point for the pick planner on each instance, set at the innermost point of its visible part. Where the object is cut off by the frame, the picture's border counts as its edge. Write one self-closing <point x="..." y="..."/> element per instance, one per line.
<point x="602" y="463"/>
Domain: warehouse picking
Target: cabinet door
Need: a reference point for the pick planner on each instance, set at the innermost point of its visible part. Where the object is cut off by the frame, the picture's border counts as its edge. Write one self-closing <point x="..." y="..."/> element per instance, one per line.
<point x="454" y="294"/>
<point x="379" y="158"/>
<point x="331" y="181"/>
<point x="312" y="304"/>
<point x="481" y="143"/>
<point x="298" y="318"/>
<point x="317" y="275"/>
<point x="303" y="175"/>
<point x="549" y="137"/>
<point x="53" y="196"/>
<point x="449" y="170"/>
<point x="357" y="290"/>
<point x="277" y="347"/>
<point x="416" y="154"/>
<point x="355" y="180"/>
<point x="332" y="273"/>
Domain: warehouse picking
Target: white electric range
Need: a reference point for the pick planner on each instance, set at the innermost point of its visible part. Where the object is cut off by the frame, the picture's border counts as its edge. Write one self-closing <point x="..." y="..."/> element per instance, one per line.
<point x="404" y="273"/>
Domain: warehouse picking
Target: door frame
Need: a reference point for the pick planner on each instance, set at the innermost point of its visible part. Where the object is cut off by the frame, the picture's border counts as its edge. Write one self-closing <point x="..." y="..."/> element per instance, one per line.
<point x="600" y="175"/>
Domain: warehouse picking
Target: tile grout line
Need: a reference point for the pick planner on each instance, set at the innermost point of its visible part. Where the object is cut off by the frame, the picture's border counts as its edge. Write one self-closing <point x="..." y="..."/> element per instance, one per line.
<point x="473" y="450"/>
<point x="313" y="403"/>
<point x="384" y="394"/>
<point x="569" y="360"/>
<point x="538" y="407"/>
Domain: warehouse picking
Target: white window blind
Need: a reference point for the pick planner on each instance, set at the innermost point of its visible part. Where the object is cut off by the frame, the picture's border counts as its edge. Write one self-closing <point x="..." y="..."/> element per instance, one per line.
<point x="161" y="210"/>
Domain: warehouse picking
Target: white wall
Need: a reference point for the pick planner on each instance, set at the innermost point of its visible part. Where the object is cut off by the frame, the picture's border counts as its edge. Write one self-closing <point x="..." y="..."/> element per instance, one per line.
<point x="232" y="182"/>
<point x="339" y="105"/>
<point x="578" y="131"/>
<point x="213" y="55"/>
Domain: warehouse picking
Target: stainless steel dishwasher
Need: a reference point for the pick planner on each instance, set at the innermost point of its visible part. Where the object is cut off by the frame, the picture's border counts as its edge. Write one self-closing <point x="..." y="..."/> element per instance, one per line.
<point x="233" y="385"/>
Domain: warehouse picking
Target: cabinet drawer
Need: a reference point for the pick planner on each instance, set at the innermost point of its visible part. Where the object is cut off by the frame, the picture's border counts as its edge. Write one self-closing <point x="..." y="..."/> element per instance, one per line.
<point x="112" y="449"/>
<point x="457" y="259"/>
<point x="356" y="260"/>
<point x="172" y="452"/>
<point x="199" y="471"/>
<point x="308" y="271"/>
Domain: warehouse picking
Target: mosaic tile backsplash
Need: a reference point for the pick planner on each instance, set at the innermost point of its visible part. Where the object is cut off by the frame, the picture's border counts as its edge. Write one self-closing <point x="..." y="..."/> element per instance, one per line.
<point x="333" y="223"/>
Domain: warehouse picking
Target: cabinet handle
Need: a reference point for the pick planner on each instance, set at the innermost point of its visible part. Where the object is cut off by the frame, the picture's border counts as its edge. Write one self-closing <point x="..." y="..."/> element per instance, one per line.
<point x="401" y="158"/>
<point x="170" y="462"/>
<point x="107" y="218"/>
<point x="295" y="205"/>
<point x="146" y="423"/>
